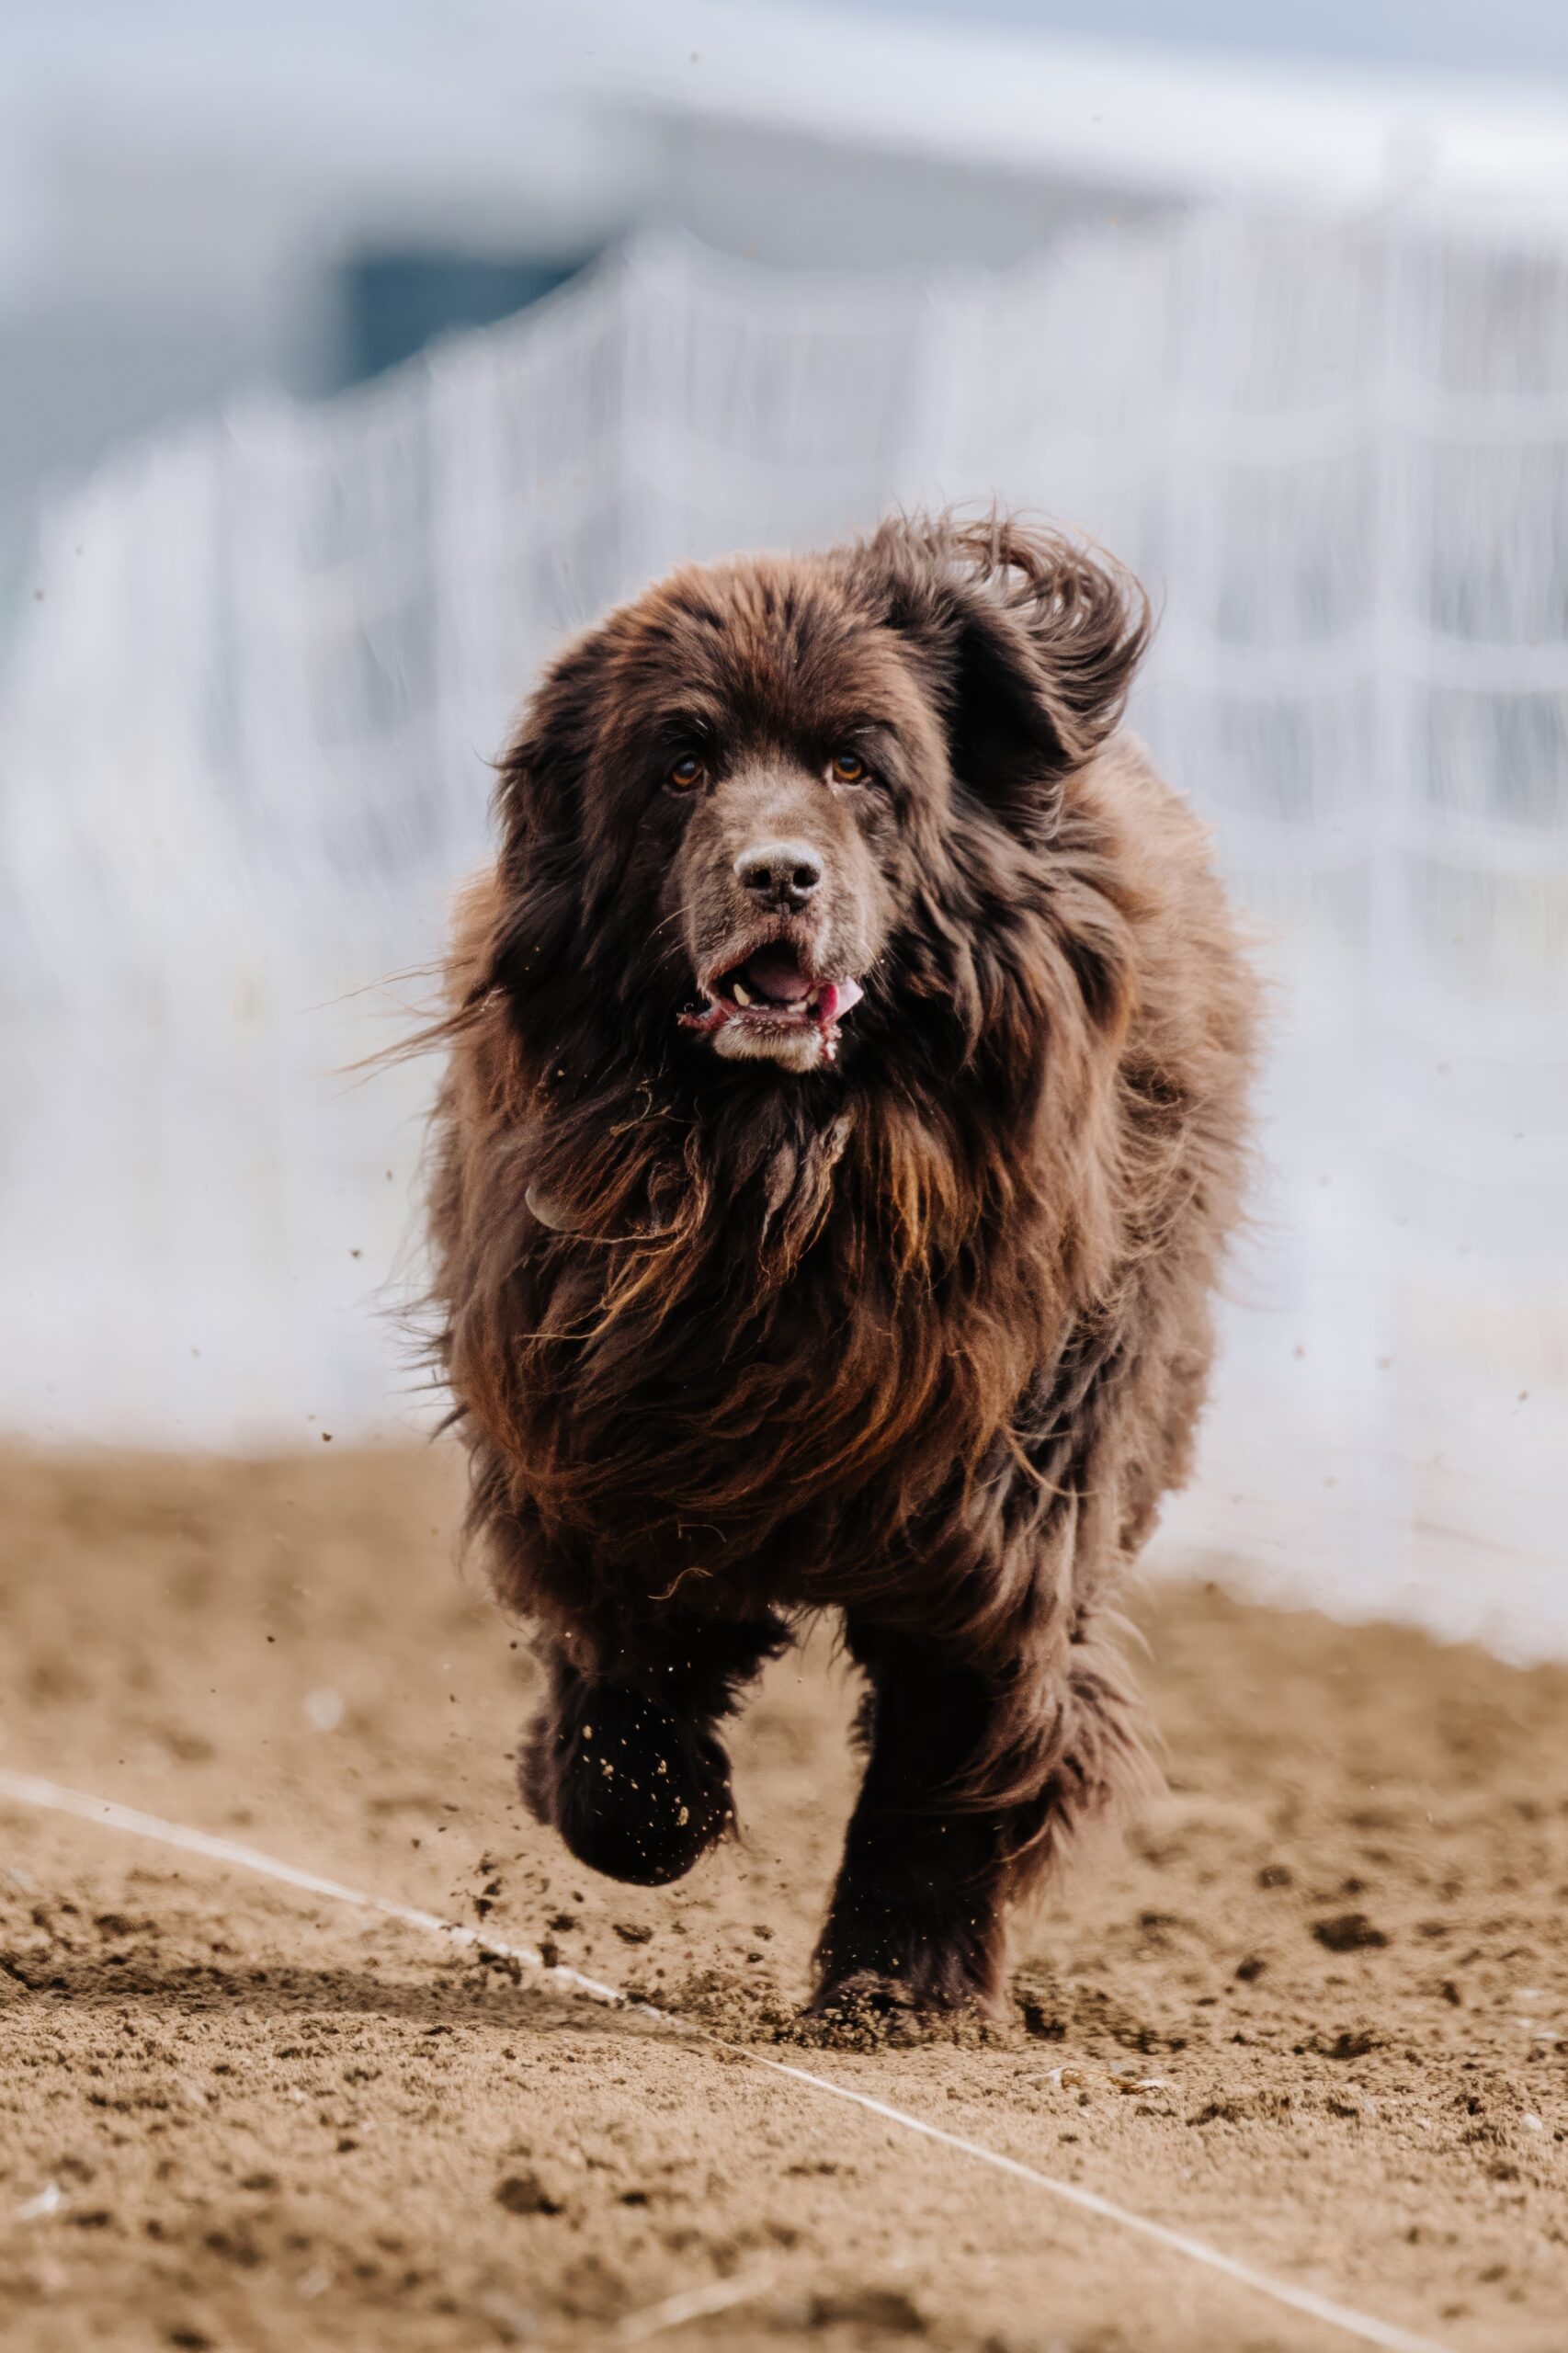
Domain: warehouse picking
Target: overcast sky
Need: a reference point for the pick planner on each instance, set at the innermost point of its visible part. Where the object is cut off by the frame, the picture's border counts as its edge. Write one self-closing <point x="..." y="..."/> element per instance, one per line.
<point x="1514" y="38"/>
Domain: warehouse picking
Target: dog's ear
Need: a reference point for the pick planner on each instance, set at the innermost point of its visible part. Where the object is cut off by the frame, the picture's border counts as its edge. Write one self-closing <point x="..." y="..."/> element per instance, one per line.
<point x="541" y="774"/>
<point x="541" y="796"/>
<point x="1032" y="640"/>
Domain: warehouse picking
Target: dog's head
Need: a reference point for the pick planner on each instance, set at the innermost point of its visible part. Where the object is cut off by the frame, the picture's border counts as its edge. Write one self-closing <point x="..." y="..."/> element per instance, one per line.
<point x="760" y="795"/>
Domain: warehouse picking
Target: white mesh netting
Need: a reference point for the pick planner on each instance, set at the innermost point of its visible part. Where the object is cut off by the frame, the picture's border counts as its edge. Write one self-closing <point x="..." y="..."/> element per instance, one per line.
<point x="242" y="732"/>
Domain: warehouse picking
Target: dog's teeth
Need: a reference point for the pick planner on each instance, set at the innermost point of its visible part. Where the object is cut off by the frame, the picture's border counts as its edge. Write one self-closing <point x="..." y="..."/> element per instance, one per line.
<point x="743" y="996"/>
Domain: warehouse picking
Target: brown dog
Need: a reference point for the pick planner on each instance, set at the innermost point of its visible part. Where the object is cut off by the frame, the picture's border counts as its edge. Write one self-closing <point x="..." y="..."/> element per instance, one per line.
<point x="843" y="1121"/>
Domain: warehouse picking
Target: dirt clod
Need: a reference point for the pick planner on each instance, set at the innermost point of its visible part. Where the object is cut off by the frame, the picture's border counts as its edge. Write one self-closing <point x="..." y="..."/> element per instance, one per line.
<point x="524" y="2193"/>
<point x="1348" y="1932"/>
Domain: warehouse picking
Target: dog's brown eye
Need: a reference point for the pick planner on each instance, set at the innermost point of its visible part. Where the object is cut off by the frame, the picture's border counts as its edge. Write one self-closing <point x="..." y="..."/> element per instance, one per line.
<point x="687" y="773"/>
<point x="849" y="767"/>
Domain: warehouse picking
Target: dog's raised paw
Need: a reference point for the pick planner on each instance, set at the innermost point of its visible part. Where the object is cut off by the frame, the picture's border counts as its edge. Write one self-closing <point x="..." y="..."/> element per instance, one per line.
<point x="635" y="1796"/>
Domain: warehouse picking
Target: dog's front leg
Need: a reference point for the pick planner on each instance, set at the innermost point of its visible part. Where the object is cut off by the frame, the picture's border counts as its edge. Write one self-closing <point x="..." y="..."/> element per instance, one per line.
<point x="976" y="1778"/>
<point x="624" y="1758"/>
<point x="916" y="1916"/>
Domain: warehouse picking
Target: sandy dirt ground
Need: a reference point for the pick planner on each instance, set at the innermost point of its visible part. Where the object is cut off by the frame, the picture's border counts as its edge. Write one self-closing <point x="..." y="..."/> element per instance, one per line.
<point x="1309" y="2011"/>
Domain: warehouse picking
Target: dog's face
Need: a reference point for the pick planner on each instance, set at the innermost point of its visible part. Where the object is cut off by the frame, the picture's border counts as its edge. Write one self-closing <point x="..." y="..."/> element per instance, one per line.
<point x="762" y="781"/>
<point x="802" y="776"/>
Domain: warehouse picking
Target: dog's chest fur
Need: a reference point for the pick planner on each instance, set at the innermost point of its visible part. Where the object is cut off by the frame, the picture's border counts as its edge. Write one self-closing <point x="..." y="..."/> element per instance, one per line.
<point x="799" y="1341"/>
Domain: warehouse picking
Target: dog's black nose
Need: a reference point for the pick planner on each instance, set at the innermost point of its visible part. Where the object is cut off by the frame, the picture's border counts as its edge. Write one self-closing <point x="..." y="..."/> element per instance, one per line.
<point x="781" y="874"/>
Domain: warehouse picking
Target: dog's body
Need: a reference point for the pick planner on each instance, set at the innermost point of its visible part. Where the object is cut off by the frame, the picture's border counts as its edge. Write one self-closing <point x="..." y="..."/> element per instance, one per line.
<point x="843" y="1122"/>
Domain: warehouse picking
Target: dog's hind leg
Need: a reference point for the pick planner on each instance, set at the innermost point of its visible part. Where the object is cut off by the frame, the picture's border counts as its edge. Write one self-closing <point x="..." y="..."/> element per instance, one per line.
<point x="627" y="1763"/>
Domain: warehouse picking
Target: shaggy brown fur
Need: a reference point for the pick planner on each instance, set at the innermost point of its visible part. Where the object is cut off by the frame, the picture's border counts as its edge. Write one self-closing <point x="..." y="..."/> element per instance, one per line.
<point x="898" y="1307"/>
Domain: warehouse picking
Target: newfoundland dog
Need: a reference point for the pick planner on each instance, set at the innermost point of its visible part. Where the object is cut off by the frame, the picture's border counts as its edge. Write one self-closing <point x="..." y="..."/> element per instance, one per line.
<point x="844" y="1119"/>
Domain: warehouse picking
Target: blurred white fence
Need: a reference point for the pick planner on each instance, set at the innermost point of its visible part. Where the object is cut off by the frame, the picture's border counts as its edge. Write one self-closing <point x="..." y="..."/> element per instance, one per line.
<point x="242" y="732"/>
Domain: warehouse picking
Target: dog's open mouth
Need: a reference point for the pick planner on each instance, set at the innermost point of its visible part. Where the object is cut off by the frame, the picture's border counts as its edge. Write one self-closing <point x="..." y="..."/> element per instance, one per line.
<point x="770" y="1002"/>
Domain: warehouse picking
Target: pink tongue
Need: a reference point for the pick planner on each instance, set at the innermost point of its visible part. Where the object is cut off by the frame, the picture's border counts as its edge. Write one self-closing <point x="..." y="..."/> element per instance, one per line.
<point x="779" y="977"/>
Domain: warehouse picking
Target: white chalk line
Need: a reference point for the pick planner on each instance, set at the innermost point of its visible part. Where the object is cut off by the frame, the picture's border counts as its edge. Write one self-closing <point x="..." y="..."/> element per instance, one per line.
<point x="693" y="2303"/>
<point x="24" y="1789"/>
